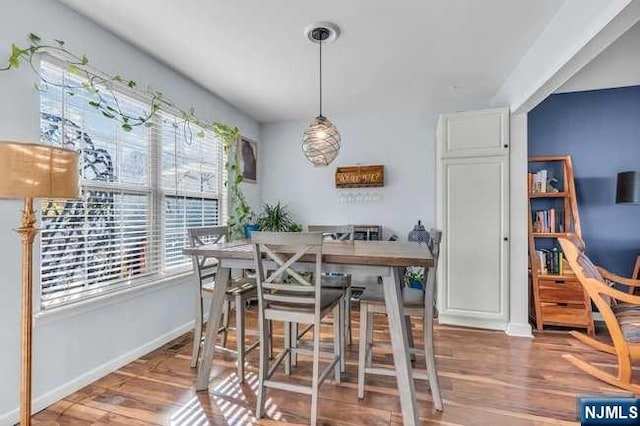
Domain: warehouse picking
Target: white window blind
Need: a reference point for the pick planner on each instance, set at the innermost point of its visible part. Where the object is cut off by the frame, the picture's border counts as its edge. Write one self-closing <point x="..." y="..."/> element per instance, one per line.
<point x="141" y="191"/>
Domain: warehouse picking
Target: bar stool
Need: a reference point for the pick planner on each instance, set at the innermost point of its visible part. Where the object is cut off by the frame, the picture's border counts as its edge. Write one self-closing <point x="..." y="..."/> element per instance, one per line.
<point x="339" y="281"/>
<point x="417" y="303"/>
<point x="299" y="301"/>
<point x="238" y="292"/>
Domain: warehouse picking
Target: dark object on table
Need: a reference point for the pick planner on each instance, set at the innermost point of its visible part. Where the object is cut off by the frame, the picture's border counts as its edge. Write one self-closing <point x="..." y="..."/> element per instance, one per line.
<point x="418" y="234"/>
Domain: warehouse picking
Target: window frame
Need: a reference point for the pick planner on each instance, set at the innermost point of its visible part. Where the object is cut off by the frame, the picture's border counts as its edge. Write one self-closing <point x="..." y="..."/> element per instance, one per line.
<point x="156" y="195"/>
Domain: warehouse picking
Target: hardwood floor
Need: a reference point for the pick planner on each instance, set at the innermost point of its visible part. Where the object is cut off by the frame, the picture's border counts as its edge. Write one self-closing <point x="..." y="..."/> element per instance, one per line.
<point x="487" y="378"/>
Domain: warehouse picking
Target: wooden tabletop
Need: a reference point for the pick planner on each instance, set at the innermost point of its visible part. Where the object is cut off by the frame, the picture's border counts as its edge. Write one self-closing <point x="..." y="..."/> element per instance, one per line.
<point x="377" y="253"/>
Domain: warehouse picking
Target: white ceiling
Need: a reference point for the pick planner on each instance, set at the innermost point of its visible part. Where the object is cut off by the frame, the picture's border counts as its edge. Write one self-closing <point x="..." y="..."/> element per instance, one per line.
<point x="617" y="66"/>
<point x="391" y="54"/>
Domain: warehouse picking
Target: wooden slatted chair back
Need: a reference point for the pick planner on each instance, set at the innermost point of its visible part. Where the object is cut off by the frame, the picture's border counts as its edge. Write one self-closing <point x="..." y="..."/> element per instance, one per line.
<point x="435" y="239"/>
<point x="276" y="255"/>
<point x="591" y="279"/>
<point x="335" y="232"/>
<point x="206" y="267"/>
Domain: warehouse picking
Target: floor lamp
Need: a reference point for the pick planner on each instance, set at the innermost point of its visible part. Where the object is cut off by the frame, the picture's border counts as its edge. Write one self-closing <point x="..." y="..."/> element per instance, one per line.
<point x="29" y="171"/>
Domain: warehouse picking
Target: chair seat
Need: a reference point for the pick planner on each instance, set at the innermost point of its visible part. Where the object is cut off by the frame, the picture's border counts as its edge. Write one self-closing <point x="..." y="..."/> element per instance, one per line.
<point x="336" y="281"/>
<point x="629" y="319"/>
<point x="328" y="298"/>
<point x="413" y="297"/>
<point x="242" y="286"/>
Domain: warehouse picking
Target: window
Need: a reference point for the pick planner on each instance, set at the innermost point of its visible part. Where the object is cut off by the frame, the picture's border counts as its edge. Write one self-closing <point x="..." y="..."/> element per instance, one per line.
<point x="141" y="190"/>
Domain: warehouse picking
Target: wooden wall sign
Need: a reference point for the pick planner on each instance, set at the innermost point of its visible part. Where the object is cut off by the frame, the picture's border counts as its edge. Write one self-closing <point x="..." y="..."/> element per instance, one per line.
<point x="360" y="176"/>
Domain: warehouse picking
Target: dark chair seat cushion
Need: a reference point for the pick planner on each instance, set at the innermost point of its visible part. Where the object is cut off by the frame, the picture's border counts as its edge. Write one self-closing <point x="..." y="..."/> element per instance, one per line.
<point x="336" y="281"/>
<point x="413" y="297"/>
<point x="328" y="298"/>
<point x="628" y="317"/>
<point x="242" y="286"/>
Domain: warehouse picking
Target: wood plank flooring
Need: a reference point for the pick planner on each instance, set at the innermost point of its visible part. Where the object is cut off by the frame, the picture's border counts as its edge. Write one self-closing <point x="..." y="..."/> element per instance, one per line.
<point x="487" y="378"/>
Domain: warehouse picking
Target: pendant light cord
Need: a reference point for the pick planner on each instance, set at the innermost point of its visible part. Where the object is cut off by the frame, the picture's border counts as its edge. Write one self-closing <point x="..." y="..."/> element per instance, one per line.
<point x="320" y="43"/>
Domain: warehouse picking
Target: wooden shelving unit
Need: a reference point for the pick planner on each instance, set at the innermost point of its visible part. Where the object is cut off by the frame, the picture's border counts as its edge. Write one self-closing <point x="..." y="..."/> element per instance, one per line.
<point x="556" y="299"/>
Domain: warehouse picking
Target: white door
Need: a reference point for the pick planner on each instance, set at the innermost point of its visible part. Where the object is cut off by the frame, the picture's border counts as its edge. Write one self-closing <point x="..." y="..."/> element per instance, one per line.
<point x="473" y="190"/>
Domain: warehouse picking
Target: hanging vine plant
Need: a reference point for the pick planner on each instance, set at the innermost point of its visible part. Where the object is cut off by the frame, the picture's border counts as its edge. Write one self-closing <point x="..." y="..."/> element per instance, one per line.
<point x="102" y="95"/>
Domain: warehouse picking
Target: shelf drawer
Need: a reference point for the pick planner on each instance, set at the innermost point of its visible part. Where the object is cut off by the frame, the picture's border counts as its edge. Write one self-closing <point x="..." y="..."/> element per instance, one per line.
<point x="562" y="291"/>
<point x="569" y="314"/>
<point x="566" y="283"/>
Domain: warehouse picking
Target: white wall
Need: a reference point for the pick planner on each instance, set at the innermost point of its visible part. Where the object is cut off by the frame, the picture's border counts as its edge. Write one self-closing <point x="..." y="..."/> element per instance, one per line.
<point x="617" y="66"/>
<point x="72" y="348"/>
<point x="403" y="141"/>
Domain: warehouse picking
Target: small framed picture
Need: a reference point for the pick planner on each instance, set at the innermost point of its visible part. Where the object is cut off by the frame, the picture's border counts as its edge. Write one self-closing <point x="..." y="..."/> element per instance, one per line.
<point x="248" y="155"/>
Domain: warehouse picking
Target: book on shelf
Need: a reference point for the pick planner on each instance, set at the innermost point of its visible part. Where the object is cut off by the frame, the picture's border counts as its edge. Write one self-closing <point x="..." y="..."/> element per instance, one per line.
<point x="541" y="182"/>
<point x="551" y="261"/>
<point x="546" y="221"/>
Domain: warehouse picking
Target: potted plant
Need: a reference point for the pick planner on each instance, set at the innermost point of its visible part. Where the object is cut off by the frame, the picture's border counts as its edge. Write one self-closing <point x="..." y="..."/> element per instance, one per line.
<point x="415" y="277"/>
<point x="250" y="225"/>
<point x="277" y="218"/>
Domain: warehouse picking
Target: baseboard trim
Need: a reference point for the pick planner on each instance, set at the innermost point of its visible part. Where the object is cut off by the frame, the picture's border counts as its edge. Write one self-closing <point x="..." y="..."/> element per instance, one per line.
<point x="519" y="330"/>
<point x="61" y="392"/>
<point x="464" y="321"/>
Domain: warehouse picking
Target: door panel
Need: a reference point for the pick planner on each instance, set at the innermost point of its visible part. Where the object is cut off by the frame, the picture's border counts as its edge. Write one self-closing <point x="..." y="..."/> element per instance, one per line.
<point x="472" y="211"/>
<point x="476" y="133"/>
<point x="475" y="249"/>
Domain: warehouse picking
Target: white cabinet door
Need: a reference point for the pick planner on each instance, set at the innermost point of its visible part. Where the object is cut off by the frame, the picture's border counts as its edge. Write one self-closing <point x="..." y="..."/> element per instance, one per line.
<point x="473" y="214"/>
<point x="475" y="133"/>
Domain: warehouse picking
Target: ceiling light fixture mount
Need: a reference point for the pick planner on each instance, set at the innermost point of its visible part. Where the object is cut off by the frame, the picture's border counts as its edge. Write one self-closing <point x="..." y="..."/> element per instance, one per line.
<point x="321" y="140"/>
<point x="325" y="32"/>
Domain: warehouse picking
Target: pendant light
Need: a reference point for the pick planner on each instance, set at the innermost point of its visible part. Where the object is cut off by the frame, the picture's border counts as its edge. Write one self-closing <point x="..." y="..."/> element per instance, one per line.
<point x="321" y="140"/>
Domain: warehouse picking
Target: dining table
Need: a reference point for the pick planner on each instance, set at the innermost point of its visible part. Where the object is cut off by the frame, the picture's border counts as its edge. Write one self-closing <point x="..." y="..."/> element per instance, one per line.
<point x="371" y="258"/>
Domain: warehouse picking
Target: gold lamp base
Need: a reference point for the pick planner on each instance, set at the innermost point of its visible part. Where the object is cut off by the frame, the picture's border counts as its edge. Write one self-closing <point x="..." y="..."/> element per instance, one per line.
<point x="28" y="233"/>
<point x="29" y="171"/>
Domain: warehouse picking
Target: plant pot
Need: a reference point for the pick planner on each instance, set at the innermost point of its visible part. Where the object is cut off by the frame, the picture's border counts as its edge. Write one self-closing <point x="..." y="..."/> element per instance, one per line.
<point x="415" y="284"/>
<point x="248" y="229"/>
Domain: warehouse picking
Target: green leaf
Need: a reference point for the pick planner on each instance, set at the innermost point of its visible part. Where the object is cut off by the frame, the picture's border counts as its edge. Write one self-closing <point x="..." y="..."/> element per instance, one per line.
<point x="84" y="60"/>
<point x="117" y="78"/>
<point x="34" y="38"/>
<point x="132" y="84"/>
<point x="60" y="42"/>
<point x="108" y="114"/>
<point x="89" y="88"/>
<point x="126" y="127"/>
<point x="15" y="50"/>
<point x="73" y="69"/>
<point x="94" y="104"/>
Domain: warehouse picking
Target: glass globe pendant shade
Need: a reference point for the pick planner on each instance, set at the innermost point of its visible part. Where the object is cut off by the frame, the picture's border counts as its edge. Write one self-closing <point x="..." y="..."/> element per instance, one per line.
<point x="321" y="142"/>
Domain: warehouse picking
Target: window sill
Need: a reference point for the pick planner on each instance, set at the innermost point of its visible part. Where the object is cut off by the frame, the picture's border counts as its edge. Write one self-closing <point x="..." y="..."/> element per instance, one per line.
<point x="99" y="302"/>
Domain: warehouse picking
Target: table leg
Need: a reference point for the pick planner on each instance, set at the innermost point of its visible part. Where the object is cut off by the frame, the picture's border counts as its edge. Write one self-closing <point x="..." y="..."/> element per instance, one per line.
<point x="400" y="344"/>
<point x="215" y="311"/>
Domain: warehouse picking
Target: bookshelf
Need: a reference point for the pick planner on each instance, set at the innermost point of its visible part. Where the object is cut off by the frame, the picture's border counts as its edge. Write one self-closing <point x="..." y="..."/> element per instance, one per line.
<point x="555" y="294"/>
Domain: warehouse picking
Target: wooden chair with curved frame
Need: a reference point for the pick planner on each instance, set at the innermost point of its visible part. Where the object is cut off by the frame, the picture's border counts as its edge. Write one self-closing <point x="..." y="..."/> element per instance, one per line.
<point x="620" y="311"/>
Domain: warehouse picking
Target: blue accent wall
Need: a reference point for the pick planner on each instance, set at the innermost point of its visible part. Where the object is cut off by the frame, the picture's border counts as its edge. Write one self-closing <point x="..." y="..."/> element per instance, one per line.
<point x="600" y="129"/>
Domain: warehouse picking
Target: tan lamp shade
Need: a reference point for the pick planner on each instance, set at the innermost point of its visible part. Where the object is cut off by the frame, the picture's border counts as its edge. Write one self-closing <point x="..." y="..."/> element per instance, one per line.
<point x="37" y="171"/>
